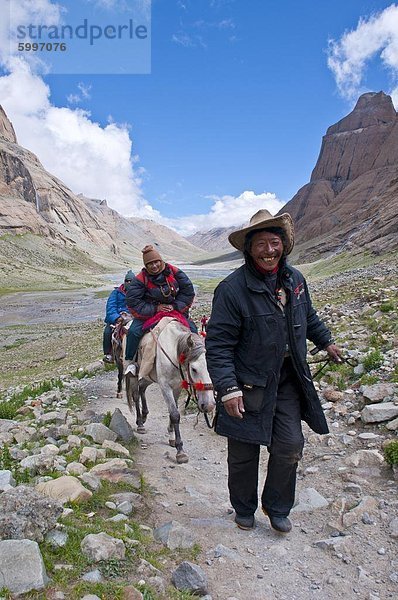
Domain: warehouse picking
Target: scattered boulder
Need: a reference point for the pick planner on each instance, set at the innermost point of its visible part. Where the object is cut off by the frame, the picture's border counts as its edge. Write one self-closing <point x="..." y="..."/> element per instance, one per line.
<point x="173" y="535"/>
<point x="308" y="500"/>
<point x="38" y="463"/>
<point x="117" y="470"/>
<point x="365" y="458"/>
<point x="99" y="432"/>
<point x="92" y="481"/>
<point x="332" y="395"/>
<point x="131" y="593"/>
<point x="191" y="578"/>
<point x="6" y="480"/>
<point x="377" y="413"/>
<point x="24" y="513"/>
<point x="65" y="489"/>
<point x="132" y="498"/>
<point x="366" y="506"/>
<point x="121" y="426"/>
<point x="75" y="468"/>
<point x="115" y="447"/>
<point x="393" y="425"/>
<point x="377" y="392"/>
<point x="22" y="566"/>
<point x="102" y="546"/>
<point x="88" y="454"/>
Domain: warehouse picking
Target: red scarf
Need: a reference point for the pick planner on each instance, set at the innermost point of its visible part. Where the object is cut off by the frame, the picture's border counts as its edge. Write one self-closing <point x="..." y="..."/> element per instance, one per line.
<point x="174" y="314"/>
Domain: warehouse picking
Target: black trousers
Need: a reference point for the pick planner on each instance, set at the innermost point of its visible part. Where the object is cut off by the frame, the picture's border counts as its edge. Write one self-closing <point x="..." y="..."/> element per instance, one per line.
<point x="107" y="339"/>
<point x="285" y="450"/>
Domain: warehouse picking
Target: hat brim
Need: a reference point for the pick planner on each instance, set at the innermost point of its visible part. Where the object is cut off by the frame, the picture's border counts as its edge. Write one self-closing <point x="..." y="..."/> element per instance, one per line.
<point x="284" y="221"/>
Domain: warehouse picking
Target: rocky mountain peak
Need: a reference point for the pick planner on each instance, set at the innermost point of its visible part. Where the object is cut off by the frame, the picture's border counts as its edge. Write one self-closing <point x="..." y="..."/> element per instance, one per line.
<point x="6" y="128"/>
<point x="372" y="108"/>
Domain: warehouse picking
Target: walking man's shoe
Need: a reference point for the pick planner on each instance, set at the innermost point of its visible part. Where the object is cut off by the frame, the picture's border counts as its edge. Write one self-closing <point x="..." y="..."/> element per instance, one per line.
<point x="281" y="524"/>
<point x="245" y="522"/>
<point x="108" y="358"/>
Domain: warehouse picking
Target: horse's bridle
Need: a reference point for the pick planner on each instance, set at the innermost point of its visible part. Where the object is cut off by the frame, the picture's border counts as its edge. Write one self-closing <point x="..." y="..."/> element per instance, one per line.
<point x="187" y="383"/>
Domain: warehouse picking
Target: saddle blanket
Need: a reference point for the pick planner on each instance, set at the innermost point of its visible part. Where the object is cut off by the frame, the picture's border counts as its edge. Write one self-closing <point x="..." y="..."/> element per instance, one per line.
<point x="148" y="346"/>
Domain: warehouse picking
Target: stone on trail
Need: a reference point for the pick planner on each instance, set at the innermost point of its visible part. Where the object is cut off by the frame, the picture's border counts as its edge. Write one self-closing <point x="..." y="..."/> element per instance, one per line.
<point x="64" y="489"/>
<point x="332" y="395"/>
<point x="117" y="470"/>
<point x="121" y="426"/>
<point x="88" y="454"/>
<point x="393" y="527"/>
<point x="101" y="546"/>
<point x="22" y="567"/>
<point x="24" y="513"/>
<point x="308" y="500"/>
<point x="223" y="551"/>
<point x="377" y="413"/>
<point x="191" y="578"/>
<point x="173" y="535"/>
<point x="115" y="447"/>
<point x="337" y="544"/>
<point x="377" y="392"/>
<point x="366" y="505"/>
<point x="7" y="481"/>
<point x="365" y="458"/>
<point x="100" y="432"/>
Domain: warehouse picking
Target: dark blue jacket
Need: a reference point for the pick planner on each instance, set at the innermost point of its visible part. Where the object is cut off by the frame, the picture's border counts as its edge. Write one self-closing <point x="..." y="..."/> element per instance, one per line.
<point x="171" y="286"/>
<point x="246" y="344"/>
<point x="116" y="304"/>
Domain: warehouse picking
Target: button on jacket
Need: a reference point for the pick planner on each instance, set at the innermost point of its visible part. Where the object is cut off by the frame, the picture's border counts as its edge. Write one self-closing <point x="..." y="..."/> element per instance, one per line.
<point x="246" y="345"/>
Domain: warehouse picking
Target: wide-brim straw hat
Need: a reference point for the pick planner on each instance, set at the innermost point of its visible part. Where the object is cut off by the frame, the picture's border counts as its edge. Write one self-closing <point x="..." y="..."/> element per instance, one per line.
<point x="261" y="220"/>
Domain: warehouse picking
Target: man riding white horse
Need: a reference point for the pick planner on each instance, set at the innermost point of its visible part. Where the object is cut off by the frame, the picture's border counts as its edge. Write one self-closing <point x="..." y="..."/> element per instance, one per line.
<point x="159" y="290"/>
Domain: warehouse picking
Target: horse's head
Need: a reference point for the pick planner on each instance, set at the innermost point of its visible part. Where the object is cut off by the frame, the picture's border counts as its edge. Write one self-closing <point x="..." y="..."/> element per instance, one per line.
<point x="198" y="378"/>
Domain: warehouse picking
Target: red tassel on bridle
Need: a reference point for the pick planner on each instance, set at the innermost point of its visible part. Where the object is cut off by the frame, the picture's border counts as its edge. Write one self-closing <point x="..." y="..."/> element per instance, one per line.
<point x="182" y="358"/>
<point x="184" y="384"/>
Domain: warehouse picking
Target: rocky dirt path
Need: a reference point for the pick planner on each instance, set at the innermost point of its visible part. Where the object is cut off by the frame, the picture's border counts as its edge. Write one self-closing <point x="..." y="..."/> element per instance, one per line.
<point x="358" y="559"/>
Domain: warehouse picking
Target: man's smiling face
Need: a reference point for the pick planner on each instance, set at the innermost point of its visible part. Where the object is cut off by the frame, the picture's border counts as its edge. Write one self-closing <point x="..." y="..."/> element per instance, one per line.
<point x="266" y="249"/>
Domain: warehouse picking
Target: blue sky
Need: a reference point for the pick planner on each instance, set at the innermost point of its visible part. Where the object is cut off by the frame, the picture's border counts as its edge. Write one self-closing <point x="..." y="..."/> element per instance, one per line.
<point x="229" y="120"/>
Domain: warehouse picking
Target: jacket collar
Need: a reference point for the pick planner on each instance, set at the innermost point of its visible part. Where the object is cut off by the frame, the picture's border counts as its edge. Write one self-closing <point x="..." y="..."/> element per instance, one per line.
<point x="255" y="282"/>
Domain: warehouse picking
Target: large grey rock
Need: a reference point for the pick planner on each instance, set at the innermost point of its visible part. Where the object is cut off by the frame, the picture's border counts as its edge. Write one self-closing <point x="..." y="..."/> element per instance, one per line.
<point x="121" y="426"/>
<point x="22" y="567"/>
<point x="377" y="392"/>
<point x="377" y="413"/>
<point x="117" y="470"/>
<point x="99" y="432"/>
<point x="190" y="577"/>
<point x="309" y="499"/>
<point x="173" y="535"/>
<point x="101" y="546"/>
<point x="6" y="480"/>
<point x="24" y="513"/>
<point x="64" y="489"/>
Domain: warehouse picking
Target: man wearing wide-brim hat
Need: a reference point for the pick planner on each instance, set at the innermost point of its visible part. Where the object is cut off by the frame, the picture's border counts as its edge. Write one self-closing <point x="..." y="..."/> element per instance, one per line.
<point x="256" y="348"/>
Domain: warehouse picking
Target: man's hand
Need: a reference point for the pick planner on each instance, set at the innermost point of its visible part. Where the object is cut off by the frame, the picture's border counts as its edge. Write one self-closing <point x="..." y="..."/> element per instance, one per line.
<point x="335" y="353"/>
<point x="164" y="308"/>
<point x="234" y="407"/>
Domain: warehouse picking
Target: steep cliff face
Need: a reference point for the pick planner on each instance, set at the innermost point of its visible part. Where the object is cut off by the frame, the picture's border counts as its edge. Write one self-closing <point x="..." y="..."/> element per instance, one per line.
<point x="351" y="199"/>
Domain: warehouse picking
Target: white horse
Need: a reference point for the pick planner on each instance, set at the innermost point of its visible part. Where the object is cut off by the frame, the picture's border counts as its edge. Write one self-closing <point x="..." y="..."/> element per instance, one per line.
<point x="180" y="363"/>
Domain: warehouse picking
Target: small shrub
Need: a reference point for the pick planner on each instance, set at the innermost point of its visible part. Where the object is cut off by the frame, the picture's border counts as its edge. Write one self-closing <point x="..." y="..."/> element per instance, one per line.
<point x="391" y="453"/>
<point x="107" y="419"/>
<point x="369" y="379"/>
<point x="373" y="360"/>
<point x="387" y="307"/>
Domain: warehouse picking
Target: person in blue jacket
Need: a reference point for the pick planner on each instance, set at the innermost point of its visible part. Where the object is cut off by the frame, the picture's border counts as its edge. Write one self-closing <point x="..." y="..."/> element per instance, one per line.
<point x="115" y="306"/>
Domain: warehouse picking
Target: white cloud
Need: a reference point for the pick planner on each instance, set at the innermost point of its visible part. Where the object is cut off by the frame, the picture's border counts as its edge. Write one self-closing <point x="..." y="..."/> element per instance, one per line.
<point x="89" y="158"/>
<point x="349" y="56"/>
<point x="227" y="211"/>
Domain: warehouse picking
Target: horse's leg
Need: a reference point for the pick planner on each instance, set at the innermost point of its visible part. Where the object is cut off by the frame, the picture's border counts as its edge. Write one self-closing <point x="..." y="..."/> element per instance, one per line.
<point x="142" y="407"/>
<point x="171" y="396"/>
<point x="119" y="362"/>
<point x="133" y="395"/>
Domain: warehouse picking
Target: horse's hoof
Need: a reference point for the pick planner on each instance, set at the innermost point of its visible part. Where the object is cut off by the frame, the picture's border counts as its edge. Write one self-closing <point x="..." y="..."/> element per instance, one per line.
<point x="141" y="429"/>
<point x="182" y="458"/>
<point x="119" y="395"/>
<point x="172" y="443"/>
